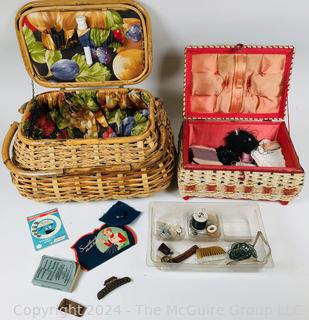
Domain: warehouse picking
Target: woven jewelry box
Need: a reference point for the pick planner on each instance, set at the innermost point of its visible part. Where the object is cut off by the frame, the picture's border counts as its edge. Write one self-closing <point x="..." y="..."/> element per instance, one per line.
<point x="228" y="90"/>
<point x="97" y="143"/>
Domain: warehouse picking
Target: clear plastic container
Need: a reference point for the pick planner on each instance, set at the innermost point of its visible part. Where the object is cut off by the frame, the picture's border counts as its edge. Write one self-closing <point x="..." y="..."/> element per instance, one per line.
<point x="229" y="231"/>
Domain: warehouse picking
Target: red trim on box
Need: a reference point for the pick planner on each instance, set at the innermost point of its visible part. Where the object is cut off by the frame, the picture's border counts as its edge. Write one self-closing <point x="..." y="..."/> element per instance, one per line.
<point x="248" y="189"/>
<point x="190" y="188"/>
<point x="289" y="191"/>
<point x="230" y="188"/>
<point x="211" y="187"/>
<point x="288" y="52"/>
<point x="267" y="190"/>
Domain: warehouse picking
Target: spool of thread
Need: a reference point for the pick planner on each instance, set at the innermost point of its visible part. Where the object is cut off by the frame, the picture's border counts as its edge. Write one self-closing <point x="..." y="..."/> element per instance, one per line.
<point x="212" y="230"/>
<point x="199" y="220"/>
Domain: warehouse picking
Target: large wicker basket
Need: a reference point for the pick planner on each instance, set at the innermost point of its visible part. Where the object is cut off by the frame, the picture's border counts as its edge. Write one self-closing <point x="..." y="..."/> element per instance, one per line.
<point x="91" y="168"/>
<point x="204" y="127"/>
<point x="138" y="179"/>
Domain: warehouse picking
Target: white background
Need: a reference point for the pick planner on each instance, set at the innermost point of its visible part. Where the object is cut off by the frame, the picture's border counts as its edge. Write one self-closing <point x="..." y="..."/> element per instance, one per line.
<point x="278" y="293"/>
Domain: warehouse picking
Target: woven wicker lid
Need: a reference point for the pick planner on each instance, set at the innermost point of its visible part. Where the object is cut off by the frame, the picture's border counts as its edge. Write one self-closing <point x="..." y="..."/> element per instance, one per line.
<point x="236" y="82"/>
<point x="77" y="43"/>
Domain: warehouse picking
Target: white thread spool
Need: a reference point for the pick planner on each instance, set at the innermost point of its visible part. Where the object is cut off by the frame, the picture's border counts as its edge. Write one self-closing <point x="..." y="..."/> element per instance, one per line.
<point x="212" y="230"/>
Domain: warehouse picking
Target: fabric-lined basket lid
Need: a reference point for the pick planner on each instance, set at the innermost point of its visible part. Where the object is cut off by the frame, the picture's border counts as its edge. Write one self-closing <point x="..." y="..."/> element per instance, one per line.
<point x="237" y="82"/>
<point x="93" y="43"/>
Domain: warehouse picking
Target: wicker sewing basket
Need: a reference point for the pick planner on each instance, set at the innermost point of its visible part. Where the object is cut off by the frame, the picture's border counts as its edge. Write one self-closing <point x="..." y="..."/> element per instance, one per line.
<point x="91" y="169"/>
<point x="253" y="183"/>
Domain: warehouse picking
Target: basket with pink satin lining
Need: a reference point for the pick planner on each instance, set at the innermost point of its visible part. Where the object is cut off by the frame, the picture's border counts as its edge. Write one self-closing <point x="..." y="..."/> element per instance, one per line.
<point x="237" y="87"/>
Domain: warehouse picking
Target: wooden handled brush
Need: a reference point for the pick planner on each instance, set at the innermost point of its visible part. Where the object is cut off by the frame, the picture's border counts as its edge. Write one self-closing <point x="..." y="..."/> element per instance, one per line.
<point x="209" y="254"/>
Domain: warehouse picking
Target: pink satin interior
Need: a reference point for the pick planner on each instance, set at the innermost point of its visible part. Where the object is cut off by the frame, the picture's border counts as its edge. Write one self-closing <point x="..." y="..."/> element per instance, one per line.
<point x="212" y="134"/>
<point x="245" y="83"/>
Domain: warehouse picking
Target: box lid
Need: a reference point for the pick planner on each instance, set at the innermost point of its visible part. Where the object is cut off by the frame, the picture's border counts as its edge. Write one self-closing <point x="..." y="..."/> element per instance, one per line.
<point x="92" y="43"/>
<point x="236" y="82"/>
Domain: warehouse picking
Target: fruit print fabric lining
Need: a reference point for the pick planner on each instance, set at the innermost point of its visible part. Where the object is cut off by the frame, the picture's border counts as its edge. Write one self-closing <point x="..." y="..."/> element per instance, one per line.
<point x="88" y="114"/>
<point x="55" y="45"/>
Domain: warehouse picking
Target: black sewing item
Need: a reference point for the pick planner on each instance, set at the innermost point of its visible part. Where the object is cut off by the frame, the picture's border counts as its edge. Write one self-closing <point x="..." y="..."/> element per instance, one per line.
<point x="241" y="141"/>
<point x="226" y="156"/>
<point x="165" y="249"/>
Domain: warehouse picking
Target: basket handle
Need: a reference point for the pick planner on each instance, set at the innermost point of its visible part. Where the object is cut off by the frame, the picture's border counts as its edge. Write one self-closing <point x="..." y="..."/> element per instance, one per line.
<point x="67" y="171"/>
